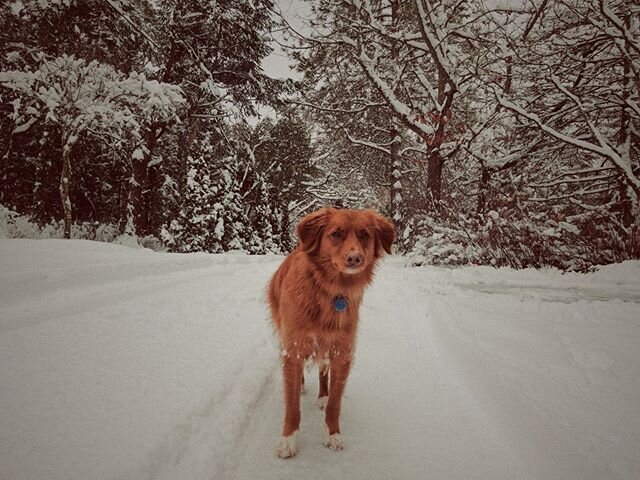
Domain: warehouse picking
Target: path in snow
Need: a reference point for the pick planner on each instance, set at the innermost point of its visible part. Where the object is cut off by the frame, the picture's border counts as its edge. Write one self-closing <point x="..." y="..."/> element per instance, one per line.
<point x="124" y="364"/>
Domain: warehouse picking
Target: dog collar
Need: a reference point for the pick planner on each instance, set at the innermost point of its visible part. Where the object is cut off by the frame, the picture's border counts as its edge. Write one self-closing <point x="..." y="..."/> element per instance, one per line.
<point x="340" y="303"/>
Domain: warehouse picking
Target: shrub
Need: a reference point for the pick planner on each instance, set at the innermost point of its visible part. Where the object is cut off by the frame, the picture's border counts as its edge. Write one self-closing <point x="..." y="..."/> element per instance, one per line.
<point x="505" y="238"/>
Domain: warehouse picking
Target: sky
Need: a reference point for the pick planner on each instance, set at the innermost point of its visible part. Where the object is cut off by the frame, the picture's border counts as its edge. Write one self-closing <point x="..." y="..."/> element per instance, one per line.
<point x="278" y="64"/>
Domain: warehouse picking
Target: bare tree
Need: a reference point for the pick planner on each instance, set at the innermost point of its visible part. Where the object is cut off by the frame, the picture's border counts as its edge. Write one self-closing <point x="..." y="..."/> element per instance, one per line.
<point x="577" y="68"/>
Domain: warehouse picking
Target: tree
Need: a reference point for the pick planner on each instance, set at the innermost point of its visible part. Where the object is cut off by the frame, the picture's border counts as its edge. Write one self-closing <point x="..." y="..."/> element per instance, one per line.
<point x="202" y="220"/>
<point x="579" y="95"/>
<point x="415" y="69"/>
<point x="212" y="51"/>
<point x="78" y="99"/>
<point x="278" y="158"/>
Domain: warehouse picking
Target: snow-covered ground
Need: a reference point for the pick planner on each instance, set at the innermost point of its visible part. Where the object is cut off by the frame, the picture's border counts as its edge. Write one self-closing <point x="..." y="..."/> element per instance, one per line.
<point x="117" y="363"/>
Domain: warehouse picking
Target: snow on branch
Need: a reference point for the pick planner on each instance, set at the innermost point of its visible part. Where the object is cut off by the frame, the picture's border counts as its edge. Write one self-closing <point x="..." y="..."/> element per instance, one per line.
<point x="368" y="144"/>
<point x="435" y="48"/>
<point x="571" y="195"/>
<point x="80" y="96"/>
<point x="365" y="107"/>
<point x="115" y="6"/>
<point x="401" y="110"/>
<point x="573" y="180"/>
<point x="25" y="126"/>
<point x="603" y="149"/>
<point x="630" y="39"/>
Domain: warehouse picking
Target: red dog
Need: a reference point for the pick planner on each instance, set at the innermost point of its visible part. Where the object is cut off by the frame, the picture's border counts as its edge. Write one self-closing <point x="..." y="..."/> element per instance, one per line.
<point x="314" y="299"/>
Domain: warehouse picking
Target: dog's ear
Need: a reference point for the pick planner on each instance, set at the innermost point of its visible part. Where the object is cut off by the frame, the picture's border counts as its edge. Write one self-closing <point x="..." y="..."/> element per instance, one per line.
<point x="385" y="234"/>
<point x="310" y="229"/>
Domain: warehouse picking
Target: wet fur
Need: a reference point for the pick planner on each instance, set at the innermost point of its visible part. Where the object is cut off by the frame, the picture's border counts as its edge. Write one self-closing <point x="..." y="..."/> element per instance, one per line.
<point x="301" y="296"/>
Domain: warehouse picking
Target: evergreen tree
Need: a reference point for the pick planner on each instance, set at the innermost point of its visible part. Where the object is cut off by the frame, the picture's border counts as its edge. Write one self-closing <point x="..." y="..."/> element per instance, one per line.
<point x="282" y="156"/>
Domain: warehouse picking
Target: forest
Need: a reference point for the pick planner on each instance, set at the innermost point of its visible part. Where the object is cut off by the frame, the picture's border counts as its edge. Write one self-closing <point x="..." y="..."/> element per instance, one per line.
<point x="502" y="133"/>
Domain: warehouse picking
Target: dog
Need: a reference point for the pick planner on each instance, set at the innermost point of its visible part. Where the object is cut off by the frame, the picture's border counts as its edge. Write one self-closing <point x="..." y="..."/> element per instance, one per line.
<point x="314" y="298"/>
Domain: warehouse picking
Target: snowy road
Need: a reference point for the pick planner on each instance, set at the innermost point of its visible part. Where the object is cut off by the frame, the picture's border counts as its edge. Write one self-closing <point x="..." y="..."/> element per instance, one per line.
<point x="126" y="364"/>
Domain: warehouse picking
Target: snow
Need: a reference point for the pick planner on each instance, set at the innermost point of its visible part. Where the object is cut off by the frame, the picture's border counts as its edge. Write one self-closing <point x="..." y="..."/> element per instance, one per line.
<point x="286" y="446"/>
<point x="124" y="363"/>
<point x="138" y="154"/>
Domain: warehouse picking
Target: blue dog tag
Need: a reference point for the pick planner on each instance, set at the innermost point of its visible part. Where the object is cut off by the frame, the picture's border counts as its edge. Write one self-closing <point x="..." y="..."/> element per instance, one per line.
<point x="340" y="303"/>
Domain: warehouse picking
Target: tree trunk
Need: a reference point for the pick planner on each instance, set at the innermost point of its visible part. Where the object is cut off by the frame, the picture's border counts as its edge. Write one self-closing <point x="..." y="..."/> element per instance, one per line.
<point x="149" y="208"/>
<point x="154" y="207"/>
<point x="624" y="142"/>
<point x="136" y="197"/>
<point x="485" y="176"/>
<point x="626" y="203"/>
<point x="144" y="190"/>
<point x="285" y="228"/>
<point x="65" y="186"/>
<point x="435" y="161"/>
<point x="396" y="162"/>
<point x="396" y="181"/>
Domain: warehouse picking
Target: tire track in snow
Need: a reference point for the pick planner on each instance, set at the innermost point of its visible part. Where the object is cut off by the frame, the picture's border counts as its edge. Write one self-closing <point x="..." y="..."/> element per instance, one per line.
<point x="469" y="426"/>
<point x="248" y="410"/>
<point x="205" y="444"/>
<point x="502" y="412"/>
<point x="453" y="427"/>
<point x="177" y="302"/>
<point x="392" y="292"/>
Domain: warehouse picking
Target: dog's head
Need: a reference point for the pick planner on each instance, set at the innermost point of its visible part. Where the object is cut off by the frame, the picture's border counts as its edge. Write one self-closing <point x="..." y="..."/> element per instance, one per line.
<point x="350" y="240"/>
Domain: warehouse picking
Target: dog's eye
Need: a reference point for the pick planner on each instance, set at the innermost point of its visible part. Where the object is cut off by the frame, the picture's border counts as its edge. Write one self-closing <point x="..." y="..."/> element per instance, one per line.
<point x="337" y="234"/>
<point x="363" y="235"/>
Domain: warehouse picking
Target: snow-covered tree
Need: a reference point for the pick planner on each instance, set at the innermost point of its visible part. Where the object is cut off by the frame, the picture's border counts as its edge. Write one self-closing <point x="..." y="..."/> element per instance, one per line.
<point x="579" y="92"/>
<point x="403" y="78"/>
<point x="209" y="207"/>
<point x="281" y="156"/>
<point x="211" y="51"/>
<point x="88" y="99"/>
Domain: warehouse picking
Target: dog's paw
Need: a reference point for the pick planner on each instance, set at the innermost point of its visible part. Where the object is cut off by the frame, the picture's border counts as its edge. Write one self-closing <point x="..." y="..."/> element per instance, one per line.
<point x="333" y="441"/>
<point x="322" y="402"/>
<point x="286" y="446"/>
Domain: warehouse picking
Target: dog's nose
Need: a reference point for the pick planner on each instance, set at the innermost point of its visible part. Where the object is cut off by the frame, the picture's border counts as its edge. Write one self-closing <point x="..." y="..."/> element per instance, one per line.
<point x="354" y="259"/>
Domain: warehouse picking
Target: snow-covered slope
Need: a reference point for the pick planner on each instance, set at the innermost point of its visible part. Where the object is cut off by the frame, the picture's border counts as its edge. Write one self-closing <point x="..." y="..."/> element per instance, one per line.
<point x="118" y="363"/>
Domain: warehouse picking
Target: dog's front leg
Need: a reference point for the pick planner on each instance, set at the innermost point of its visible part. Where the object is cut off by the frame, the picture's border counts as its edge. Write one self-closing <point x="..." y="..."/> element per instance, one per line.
<point x="323" y="388"/>
<point x="292" y="373"/>
<point x="340" y="366"/>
